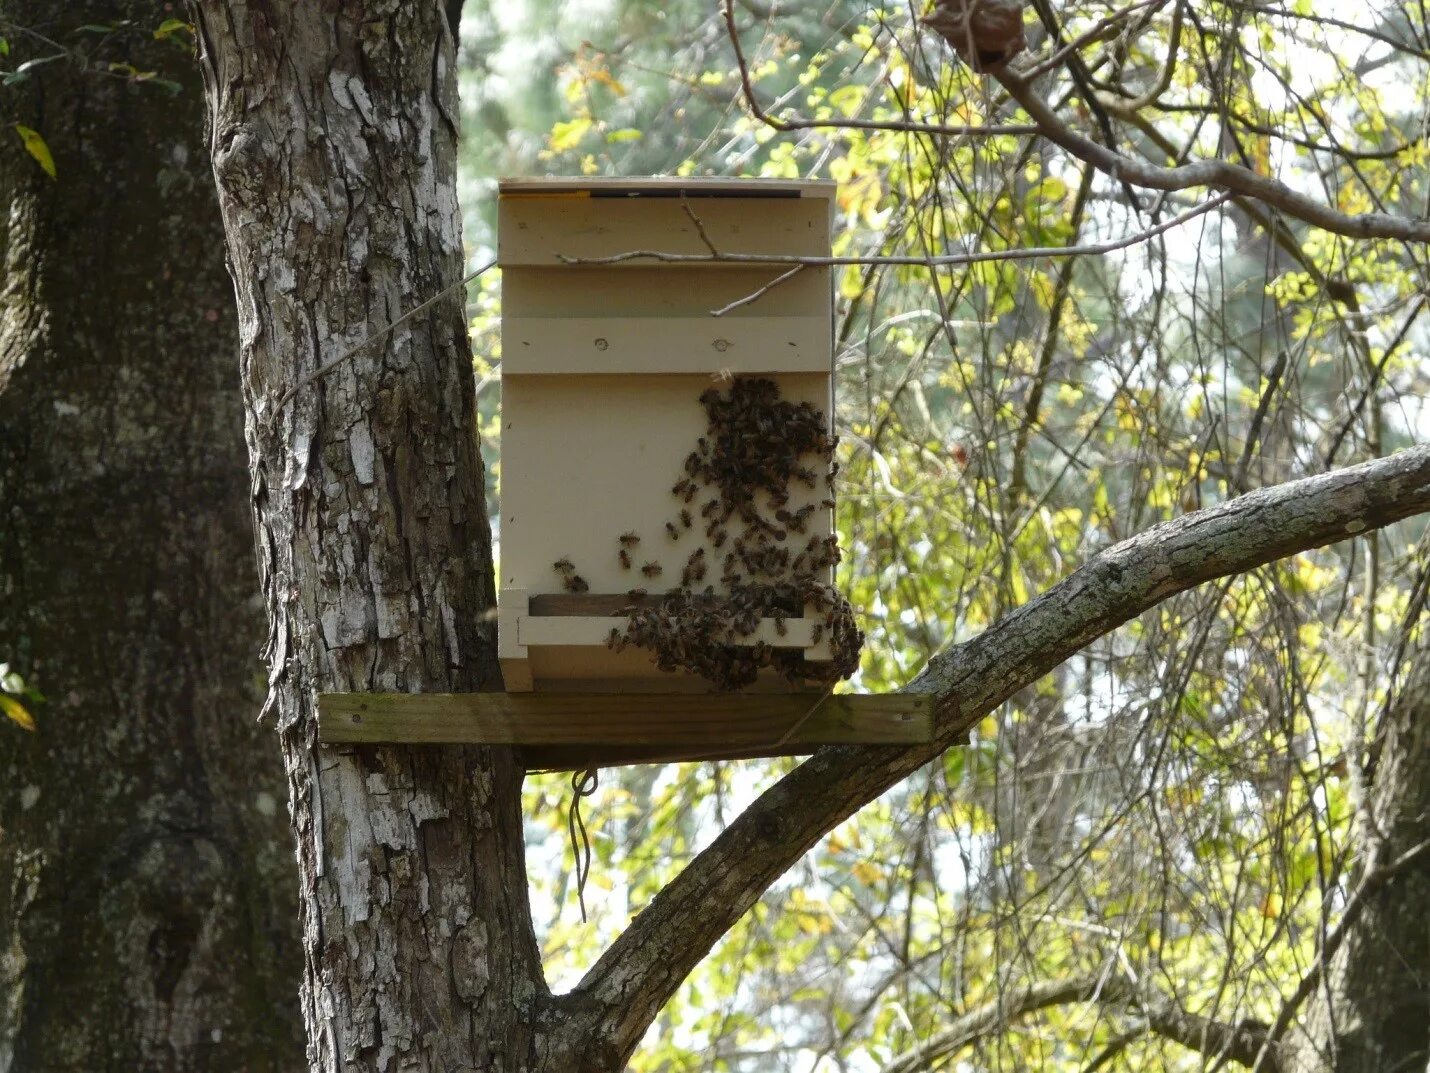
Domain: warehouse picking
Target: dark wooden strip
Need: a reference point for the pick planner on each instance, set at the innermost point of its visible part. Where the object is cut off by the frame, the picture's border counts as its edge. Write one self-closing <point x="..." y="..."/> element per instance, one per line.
<point x="580" y="757"/>
<point x="565" y="605"/>
<point x="718" y="723"/>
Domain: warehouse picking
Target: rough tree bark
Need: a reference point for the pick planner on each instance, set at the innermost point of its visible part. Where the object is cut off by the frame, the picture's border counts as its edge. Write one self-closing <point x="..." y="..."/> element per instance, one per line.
<point x="333" y="138"/>
<point x="147" y="896"/>
<point x="1371" y="1013"/>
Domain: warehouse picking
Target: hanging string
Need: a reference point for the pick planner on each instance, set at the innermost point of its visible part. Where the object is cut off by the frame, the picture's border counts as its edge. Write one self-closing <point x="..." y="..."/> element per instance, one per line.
<point x="583" y="784"/>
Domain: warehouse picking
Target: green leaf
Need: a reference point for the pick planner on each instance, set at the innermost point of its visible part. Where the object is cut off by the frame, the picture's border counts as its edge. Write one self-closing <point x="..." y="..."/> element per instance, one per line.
<point x="19" y="74"/>
<point x="36" y="147"/>
<point x="169" y="27"/>
<point x="17" y="712"/>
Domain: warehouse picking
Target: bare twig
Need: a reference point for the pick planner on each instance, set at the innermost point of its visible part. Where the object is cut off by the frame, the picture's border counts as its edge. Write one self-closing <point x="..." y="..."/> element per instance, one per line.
<point x="905" y="126"/>
<point x="1095" y="33"/>
<point x="1263" y="406"/>
<point x="1120" y="106"/>
<point x="699" y="225"/>
<point x="382" y="333"/>
<point x="756" y="295"/>
<point x="1024" y="253"/>
<point x="1374" y="382"/>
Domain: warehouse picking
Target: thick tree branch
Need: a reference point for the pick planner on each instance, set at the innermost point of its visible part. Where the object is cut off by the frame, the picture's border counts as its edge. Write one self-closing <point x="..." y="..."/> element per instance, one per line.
<point x="1215" y="174"/>
<point x="990" y="1017"/>
<point x="622" y="993"/>
<point x="1242" y="1042"/>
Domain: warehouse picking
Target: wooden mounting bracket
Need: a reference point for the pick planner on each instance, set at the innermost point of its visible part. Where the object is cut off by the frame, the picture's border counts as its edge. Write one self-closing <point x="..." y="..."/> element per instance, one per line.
<point x="576" y="730"/>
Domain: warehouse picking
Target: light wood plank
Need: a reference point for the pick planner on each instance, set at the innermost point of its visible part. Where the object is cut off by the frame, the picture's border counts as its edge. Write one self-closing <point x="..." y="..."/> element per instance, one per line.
<point x="544" y="230"/>
<point x="717" y="722"/>
<point x="651" y="291"/>
<point x="546" y="345"/>
<point x="592" y="631"/>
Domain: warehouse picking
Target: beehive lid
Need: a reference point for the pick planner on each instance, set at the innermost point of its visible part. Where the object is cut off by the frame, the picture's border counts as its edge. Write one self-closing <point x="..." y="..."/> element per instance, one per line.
<point x="668" y="186"/>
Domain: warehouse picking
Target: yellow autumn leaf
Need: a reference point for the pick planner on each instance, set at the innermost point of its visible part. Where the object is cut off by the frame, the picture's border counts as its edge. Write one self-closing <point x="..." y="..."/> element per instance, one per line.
<point x="17" y="712"/>
<point x="36" y="147"/>
<point x="868" y="874"/>
<point x="568" y="134"/>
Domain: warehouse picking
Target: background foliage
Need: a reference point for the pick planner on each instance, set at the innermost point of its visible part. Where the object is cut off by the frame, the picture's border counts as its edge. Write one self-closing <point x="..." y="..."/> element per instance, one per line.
<point x="1176" y="807"/>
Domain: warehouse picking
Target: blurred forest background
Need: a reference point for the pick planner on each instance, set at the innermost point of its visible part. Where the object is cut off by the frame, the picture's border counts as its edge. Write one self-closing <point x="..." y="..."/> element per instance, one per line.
<point x="1181" y="810"/>
<point x="1153" y="857"/>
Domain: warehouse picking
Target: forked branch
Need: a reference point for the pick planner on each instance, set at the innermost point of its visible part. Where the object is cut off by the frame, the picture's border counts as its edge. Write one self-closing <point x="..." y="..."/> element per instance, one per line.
<point x="1214" y="174"/>
<point x="622" y="993"/>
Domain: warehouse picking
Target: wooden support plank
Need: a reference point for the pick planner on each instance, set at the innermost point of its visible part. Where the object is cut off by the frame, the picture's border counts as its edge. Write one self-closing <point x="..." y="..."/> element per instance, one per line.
<point x="718" y="723"/>
<point x="624" y="344"/>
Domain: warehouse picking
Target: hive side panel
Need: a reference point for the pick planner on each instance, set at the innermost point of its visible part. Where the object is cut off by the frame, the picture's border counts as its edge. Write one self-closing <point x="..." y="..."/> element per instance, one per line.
<point x="586" y="459"/>
<point x="661" y="291"/>
<point x="603" y="368"/>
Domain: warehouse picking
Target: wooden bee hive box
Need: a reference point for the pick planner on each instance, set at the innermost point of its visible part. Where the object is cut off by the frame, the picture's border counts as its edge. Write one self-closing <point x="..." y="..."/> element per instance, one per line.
<point x="625" y="402"/>
<point x="603" y="368"/>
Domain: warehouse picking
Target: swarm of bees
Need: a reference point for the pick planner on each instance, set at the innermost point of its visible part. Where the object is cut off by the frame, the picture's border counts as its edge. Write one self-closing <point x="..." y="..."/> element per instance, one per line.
<point x="755" y="446"/>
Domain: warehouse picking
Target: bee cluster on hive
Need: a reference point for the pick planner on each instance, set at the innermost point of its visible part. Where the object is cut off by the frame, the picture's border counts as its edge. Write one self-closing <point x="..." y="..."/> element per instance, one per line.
<point x="736" y="486"/>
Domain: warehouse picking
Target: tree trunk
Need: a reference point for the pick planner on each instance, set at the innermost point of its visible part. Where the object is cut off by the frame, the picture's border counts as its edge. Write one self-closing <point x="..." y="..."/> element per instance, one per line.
<point x="334" y="138"/>
<point x="334" y="131"/>
<point x="146" y="893"/>
<point x="1373" y="1013"/>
